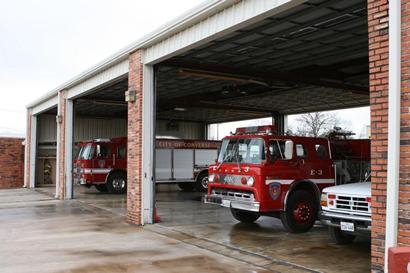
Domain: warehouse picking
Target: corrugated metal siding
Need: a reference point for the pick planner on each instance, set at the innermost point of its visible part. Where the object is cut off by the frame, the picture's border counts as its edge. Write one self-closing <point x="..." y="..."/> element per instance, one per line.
<point x="84" y="128"/>
<point x="185" y="130"/>
<point x="90" y="128"/>
<point x="114" y="72"/>
<point x="241" y="14"/>
<point x="47" y="128"/>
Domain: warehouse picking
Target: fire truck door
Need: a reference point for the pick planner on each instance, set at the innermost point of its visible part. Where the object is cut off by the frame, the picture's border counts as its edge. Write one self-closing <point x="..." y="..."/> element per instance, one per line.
<point x="120" y="158"/>
<point x="320" y="163"/>
<point x="304" y="161"/>
<point x="104" y="158"/>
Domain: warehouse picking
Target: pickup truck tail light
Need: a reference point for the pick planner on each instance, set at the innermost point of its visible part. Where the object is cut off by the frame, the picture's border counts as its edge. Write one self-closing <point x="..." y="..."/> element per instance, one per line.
<point x="369" y="199"/>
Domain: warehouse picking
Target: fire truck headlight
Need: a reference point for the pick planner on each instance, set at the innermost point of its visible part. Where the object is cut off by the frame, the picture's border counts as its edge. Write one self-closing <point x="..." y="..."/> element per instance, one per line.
<point x="211" y="178"/>
<point x="323" y="200"/>
<point x="250" y="181"/>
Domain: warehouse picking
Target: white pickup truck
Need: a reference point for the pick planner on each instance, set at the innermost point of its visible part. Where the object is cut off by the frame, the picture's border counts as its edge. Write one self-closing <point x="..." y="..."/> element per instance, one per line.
<point x="346" y="210"/>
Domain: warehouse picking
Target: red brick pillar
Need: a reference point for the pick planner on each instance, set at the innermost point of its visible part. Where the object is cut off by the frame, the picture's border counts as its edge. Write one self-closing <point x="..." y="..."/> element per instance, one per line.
<point x="378" y="68"/>
<point x="61" y="145"/>
<point x="134" y="160"/>
<point x="404" y="194"/>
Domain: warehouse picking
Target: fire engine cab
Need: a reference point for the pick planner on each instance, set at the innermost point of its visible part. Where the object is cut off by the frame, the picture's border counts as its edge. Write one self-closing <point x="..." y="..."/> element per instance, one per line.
<point x="259" y="173"/>
<point x="103" y="163"/>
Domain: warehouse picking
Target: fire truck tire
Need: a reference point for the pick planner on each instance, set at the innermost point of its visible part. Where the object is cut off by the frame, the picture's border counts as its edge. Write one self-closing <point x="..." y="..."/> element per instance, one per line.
<point x="187" y="186"/>
<point x="340" y="237"/>
<point x="202" y="182"/>
<point x="244" y="216"/>
<point x="301" y="212"/>
<point x="117" y="183"/>
<point x="101" y="188"/>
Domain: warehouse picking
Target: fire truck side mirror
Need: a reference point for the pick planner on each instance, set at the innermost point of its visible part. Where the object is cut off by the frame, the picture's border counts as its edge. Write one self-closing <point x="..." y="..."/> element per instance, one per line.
<point x="288" y="149"/>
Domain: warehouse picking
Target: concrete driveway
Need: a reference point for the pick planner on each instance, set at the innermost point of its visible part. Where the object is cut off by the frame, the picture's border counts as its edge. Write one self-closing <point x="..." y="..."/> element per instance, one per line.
<point x="39" y="234"/>
<point x="264" y="243"/>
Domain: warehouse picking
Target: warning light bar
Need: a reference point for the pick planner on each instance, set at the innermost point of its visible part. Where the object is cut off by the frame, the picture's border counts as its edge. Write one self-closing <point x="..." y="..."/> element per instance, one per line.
<point x="264" y="129"/>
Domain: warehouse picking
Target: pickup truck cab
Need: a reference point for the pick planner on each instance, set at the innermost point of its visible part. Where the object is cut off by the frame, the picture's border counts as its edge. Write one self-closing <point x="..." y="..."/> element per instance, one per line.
<point x="346" y="210"/>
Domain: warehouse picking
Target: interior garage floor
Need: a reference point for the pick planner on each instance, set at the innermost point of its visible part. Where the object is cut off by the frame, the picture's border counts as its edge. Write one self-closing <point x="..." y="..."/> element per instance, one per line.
<point x="211" y="227"/>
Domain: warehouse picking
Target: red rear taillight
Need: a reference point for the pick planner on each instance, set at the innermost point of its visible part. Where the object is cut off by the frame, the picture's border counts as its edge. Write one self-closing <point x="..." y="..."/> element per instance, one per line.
<point x="331" y="196"/>
<point x="369" y="199"/>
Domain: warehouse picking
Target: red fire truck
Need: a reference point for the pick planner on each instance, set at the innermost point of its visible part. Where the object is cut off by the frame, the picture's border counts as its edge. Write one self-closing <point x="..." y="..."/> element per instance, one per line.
<point x="259" y="173"/>
<point x="103" y="163"/>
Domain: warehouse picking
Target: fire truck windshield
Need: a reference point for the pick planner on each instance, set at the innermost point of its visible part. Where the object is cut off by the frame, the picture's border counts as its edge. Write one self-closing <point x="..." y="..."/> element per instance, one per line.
<point x="86" y="152"/>
<point x="246" y="150"/>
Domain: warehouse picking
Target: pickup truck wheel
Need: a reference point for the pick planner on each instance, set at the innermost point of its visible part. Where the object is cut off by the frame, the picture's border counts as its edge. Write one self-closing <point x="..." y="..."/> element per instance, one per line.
<point x="117" y="183"/>
<point x="187" y="186"/>
<point x="340" y="237"/>
<point x="202" y="182"/>
<point x="244" y="216"/>
<point x="301" y="212"/>
<point x="101" y="188"/>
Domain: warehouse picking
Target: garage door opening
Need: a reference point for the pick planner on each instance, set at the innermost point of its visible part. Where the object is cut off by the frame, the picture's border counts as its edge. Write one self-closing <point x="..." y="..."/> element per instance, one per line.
<point x="99" y="147"/>
<point x="45" y="166"/>
<point x="313" y="57"/>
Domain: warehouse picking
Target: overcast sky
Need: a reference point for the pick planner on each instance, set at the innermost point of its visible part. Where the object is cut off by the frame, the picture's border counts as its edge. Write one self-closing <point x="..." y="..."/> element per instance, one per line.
<point x="44" y="43"/>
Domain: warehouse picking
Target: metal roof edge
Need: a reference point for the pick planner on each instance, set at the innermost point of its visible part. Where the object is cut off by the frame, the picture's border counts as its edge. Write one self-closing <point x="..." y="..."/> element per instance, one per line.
<point x="188" y="18"/>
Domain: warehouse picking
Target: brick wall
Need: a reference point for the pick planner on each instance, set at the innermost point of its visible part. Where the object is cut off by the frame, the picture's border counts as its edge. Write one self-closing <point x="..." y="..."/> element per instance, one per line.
<point x="134" y="161"/>
<point x="404" y="195"/>
<point x="378" y="68"/>
<point x="11" y="163"/>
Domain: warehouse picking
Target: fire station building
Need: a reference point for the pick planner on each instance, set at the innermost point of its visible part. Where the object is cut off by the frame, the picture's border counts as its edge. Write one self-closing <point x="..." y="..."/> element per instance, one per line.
<point x="234" y="60"/>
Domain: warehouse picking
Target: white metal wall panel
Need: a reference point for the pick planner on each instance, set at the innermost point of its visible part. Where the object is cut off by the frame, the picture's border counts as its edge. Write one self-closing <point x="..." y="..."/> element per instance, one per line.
<point x="47" y="128"/>
<point x="91" y="128"/>
<point x="183" y="164"/>
<point x="84" y="128"/>
<point x="163" y="168"/>
<point x="46" y="105"/>
<point x="114" y="72"/>
<point x="239" y="15"/>
<point x="185" y="130"/>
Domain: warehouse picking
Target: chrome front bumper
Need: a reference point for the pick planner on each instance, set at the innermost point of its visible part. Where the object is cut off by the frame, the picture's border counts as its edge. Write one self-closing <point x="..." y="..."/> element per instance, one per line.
<point x="232" y="202"/>
<point x="362" y="223"/>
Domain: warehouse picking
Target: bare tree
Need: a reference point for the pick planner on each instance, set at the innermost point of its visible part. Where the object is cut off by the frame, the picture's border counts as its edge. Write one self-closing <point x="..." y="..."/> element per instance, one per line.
<point x="316" y="124"/>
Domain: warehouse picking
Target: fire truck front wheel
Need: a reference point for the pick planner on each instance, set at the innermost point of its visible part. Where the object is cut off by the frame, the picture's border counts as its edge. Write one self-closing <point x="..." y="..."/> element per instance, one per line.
<point x="301" y="212"/>
<point x="117" y="183"/>
<point x="244" y="216"/>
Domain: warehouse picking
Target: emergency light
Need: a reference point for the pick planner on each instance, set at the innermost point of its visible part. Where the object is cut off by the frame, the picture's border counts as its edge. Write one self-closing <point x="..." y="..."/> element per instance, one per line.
<point x="263" y="129"/>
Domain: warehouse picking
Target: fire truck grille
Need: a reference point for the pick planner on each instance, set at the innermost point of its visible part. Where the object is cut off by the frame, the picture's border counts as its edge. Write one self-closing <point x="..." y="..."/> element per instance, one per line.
<point x="232" y="179"/>
<point x="234" y="195"/>
<point x="357" y="204"/>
